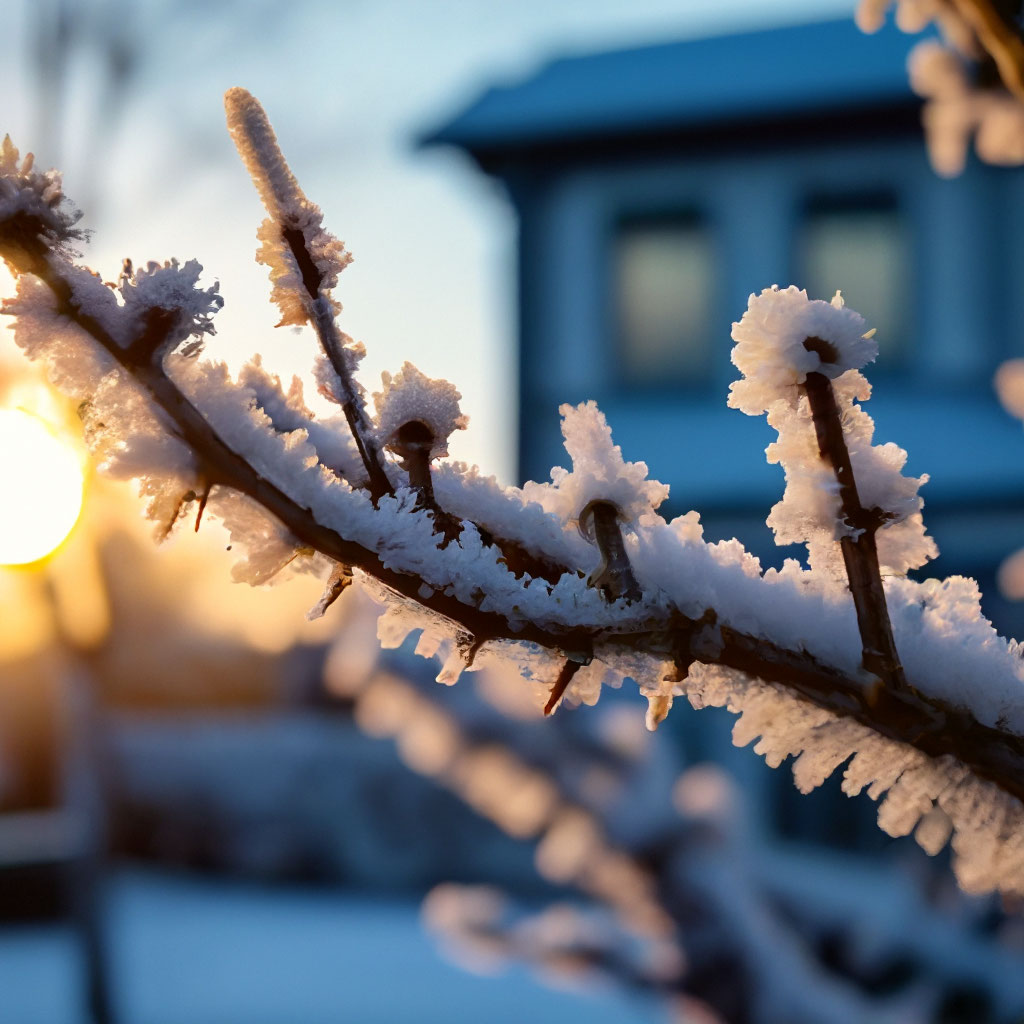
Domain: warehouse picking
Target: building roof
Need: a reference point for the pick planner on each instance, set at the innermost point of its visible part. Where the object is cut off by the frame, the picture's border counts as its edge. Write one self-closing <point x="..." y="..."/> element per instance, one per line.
<point x="777" y="72"/>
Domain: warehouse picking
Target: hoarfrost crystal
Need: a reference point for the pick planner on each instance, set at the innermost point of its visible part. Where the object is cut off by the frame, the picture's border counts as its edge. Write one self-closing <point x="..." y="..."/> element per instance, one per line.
<point x="411" y="396"/>
<point x="771" y="352"/>
<point x="599" y="472"/>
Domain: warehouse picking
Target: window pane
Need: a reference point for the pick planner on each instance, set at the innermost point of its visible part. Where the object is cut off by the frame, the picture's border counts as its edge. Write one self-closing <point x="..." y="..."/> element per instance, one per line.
<point x="663" y="276"/>
<point x="862" y="250"/>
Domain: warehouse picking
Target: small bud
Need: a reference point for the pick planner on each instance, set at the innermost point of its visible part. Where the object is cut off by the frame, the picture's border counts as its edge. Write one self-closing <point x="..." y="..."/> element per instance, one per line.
<point x="599" y="521"/>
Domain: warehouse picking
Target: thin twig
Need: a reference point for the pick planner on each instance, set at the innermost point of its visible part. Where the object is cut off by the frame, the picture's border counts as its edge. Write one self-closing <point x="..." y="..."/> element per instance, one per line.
<point x="204" y="497"/>
<point x="413" y="443"/>
<point x="284" y="201"/>
<point x="860" y="551"/>
<point x="337" y="583"/>
<point x="565" y="677"/>
<point x="351" y="403"/>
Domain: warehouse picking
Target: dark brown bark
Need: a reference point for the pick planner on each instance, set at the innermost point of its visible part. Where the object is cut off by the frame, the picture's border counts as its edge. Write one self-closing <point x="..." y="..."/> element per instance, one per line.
<point x="614" y="576"/>
<point x="565" y="677"/>
<point x="322" y="316"/>
<point x="860" y="552"/>
<point x="413" y="444"/>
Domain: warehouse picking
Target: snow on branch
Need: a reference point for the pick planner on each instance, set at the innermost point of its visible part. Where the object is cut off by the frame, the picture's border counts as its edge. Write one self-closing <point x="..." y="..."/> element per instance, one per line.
<point x="800" y="360"/>
<point x="304" y="261"/>
<point x="579" y="582"/>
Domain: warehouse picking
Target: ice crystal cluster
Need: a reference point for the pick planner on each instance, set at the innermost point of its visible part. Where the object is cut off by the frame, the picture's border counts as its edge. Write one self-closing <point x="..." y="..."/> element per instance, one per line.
<point x="28" y="193"/>
<point x="289" y="212"/>
<point x="599" y="473"/>
<point x="411" y="397"/>
<point x="488" y="573"/>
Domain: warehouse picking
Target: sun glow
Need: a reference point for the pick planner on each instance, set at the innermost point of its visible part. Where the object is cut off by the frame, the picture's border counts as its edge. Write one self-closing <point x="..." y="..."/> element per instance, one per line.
<point x="42" y="488"/>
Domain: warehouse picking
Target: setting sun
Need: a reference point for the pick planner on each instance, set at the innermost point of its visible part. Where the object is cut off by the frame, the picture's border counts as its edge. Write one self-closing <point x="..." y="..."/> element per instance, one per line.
<point x="43" y="488"/>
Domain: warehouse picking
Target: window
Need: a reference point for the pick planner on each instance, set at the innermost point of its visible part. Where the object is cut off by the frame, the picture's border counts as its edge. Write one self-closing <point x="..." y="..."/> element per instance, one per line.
<point x="663" y="279"/>
<point x="861" y="248"/>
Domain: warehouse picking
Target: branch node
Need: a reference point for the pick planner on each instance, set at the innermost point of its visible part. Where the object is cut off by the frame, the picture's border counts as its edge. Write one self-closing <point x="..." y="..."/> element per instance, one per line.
<point x="413" y="443"/>
<point x="860" y="552"/>
<point x="614" y="577"/>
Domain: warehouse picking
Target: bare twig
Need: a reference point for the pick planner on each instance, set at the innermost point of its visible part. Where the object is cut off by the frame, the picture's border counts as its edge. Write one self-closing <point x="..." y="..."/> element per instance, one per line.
<point x="203" y="498"/>
<point x="860" y="551"/>
<point x="285" y="203"/>
<point x="351" y="403"/>
<point x="565" y="677"/>
<point x="337" y="583"/>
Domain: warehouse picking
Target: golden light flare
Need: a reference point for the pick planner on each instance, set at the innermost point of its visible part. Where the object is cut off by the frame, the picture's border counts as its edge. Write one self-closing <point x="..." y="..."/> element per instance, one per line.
<point x="43" y="485"/>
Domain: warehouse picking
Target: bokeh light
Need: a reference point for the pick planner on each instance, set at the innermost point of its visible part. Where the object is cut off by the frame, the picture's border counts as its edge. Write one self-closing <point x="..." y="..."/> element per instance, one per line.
<point x="43" y="484"/>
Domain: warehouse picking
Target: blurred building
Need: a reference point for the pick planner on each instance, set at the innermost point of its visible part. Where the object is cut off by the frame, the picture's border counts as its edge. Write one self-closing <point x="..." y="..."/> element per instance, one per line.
<point x="656" y="188"/>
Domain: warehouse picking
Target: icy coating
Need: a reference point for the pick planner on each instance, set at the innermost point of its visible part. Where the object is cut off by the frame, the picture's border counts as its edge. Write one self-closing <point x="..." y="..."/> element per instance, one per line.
<point x="774" y="353"/>
<point x="949" y="650"/>
<point x="770" y="350"/>
<point x="411" y="396"/>
<point x="288" y="209"/>
<point x="35" y="194"/>
<point x="599" y="473"/>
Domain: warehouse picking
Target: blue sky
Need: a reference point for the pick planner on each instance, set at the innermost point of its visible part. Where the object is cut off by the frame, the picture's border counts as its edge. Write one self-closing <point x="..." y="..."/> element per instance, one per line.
<point x="348" y="85"/>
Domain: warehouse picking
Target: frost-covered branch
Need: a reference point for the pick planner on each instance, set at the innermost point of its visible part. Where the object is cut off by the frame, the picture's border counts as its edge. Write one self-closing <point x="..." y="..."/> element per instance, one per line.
<point x="669" y="896"/>
<point x="578" y="581"/>
<point x="860" y="553"/>
<point x="304" y="262"/>
<point x="972" y="79"/>
<point x="1000" y="37"/>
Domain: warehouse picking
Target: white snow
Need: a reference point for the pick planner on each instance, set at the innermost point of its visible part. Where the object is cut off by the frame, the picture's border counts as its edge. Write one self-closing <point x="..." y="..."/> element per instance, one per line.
<point x="771" y="354"/>
<point x="411" y="396"/>
<point x="174" y="287"/>
<point x="770" y="351"/>
<point x="599" y="473"/>
<point x="39" y="194"/>
<point x="937" y="796"/>
<point x="288" y="208"/>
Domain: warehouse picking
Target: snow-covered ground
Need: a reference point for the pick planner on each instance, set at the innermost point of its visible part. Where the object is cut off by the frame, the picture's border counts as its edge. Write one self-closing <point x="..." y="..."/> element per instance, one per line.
<point x="202" y="950"/>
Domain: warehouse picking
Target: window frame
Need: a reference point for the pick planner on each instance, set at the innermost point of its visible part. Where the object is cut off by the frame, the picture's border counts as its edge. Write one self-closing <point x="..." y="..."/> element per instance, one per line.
<point x="687" y="214"/>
